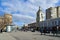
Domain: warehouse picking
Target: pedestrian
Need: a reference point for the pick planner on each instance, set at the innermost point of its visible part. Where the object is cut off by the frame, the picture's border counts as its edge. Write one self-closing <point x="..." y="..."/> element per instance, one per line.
<point x="41" y="30"/>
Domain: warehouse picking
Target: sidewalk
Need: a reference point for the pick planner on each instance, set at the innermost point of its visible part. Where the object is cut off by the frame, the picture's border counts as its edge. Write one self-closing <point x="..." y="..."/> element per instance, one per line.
<point x="6" y="36"/>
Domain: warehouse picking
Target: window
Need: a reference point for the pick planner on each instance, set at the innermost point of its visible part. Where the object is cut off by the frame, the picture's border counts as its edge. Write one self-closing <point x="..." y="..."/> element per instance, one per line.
<point x="45" y="24"/>
<point x="55" y="22"/>
<point x="52" y="23"/>
<point x="59" y="22"/>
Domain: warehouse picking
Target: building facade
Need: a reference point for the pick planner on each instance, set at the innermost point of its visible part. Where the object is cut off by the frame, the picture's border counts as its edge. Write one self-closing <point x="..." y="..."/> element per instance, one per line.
<point x="53" y="12"/>
<point x="5" y="20"/>
<point x="32" y="26"/>
<point x="1" y="22"/>
<point x="58" y="11"/>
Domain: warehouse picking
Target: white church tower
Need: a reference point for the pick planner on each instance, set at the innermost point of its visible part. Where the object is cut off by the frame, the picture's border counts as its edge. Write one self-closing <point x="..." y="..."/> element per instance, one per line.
<point x="40" y="16"/>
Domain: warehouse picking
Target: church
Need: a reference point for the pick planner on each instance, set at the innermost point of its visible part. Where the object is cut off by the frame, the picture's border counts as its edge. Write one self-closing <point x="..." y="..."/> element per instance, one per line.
<point x="39" y="17"/>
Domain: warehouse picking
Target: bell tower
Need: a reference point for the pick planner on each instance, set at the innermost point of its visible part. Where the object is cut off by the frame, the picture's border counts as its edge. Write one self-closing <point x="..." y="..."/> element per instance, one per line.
<point x="39" y="16"/>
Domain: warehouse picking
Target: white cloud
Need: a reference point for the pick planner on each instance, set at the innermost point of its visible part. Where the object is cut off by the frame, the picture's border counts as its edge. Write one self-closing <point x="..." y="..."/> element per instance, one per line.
<point x="23" y="18"/>
<point x="27" y="8"/>
<point x="44" y="3"/>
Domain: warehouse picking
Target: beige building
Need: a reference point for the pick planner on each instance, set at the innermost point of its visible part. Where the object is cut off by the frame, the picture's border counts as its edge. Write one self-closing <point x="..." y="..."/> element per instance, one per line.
<point x="58" y="11"/>
<point x="1" y="22"/>
<point x="52" y="12"/>
<point x="8" y="19"/>
<point x="5" y="20"/>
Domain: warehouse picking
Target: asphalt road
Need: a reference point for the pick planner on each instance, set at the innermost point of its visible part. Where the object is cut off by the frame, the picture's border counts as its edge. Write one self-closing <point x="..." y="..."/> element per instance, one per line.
<point x="18" y="35"/>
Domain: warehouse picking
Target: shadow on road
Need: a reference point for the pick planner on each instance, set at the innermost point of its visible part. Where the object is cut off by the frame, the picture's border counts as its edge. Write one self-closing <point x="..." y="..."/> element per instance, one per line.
<point x="53" y="35"/>
<point x="48" y="35"/>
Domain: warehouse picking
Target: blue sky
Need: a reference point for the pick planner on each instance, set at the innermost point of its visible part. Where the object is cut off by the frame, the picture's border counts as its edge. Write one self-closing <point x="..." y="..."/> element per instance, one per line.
<point x="24" y="11"/>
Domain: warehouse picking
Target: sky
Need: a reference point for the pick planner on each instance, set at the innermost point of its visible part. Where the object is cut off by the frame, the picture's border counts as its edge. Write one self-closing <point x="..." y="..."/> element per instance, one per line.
<point x="24" y="11"/>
